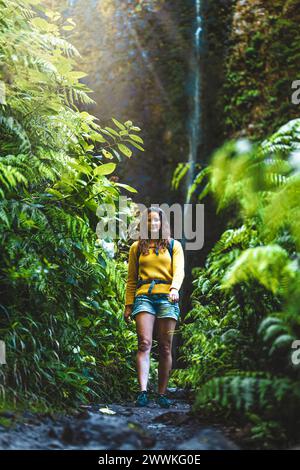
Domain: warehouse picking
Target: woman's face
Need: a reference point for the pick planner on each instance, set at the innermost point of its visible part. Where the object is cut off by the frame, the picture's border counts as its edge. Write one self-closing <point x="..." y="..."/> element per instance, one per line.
<point x="153" y="221"/>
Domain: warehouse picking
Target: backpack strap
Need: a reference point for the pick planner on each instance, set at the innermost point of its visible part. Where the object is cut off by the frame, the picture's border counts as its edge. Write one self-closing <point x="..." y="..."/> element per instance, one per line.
<point x="170" y="248"/>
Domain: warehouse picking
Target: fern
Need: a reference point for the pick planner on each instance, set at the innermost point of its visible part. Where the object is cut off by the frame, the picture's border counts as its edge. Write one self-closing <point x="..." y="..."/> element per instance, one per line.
<point x="269" y="265"/>
<point x="59" y="292"/>
<point x="13" y="130"/>
<point x="277" y="337"/>
<point x="241" y="236"/>
<point x="244" y="317"/>
<point x="268" y="397"/>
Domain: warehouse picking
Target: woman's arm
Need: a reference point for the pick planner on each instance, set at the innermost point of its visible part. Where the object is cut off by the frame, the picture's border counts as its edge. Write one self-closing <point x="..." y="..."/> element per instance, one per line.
<point x="132" y="275"/>
<point x="178" y="265"/>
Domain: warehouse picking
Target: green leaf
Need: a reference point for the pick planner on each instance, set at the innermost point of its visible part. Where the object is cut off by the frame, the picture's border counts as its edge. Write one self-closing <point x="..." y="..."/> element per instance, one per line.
<point x="107" y="154"/>
<point x="126" y="186"/>
<point x="137" y="138"/>
<point x="98" y="138"/>
<point x="119" y="124"/>
<point x="135" y="144"/>
<point x="112" y="131"/>
<point x="105" y="169"/>
<point x="86" y="169"/>
<point x="116" y="153"/>
<point x="41" y="23"/>
<point x="284" y="341"/>
<point x="54" y="192"/>
<point x="125" y="150"/>
<point x="85" y="322"/>
<point x="76" y="75"/>
<point x="273" y="330"/>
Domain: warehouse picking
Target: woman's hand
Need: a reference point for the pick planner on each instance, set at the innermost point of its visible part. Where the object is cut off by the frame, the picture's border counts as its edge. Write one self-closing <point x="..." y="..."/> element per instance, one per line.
<point x="174" y="295"/>
<point x="127" y="313"/>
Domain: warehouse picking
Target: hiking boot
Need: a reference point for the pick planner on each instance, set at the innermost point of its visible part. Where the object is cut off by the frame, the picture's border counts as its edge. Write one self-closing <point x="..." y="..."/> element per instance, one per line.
<point x="163" y="401"/>
<point x="142" y="399"/>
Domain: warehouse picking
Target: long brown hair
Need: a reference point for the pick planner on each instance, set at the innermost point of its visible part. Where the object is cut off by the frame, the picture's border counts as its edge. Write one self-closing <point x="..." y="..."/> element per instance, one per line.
<point x="164" y="230"/>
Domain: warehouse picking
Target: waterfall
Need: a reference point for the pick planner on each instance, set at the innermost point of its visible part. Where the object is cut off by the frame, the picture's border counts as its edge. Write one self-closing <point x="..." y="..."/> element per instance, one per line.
<point x="195" y="113"/>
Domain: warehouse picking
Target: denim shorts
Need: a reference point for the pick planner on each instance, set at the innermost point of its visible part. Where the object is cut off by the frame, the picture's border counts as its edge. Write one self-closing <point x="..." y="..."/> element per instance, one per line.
<point x="157" y="304"/>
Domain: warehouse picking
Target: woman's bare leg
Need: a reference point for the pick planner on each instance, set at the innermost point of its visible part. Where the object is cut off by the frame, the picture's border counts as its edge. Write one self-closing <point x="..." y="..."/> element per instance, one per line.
<point x="166" y="327"/>
<point x="144" y="327"/>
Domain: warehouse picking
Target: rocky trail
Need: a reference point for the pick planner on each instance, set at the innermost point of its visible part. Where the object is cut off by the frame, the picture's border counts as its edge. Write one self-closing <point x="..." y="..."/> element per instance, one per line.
<point x="121" y="426"/>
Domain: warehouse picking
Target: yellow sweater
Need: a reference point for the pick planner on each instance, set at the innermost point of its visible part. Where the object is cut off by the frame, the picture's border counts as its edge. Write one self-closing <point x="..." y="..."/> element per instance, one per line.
<point x="154" y="266"/>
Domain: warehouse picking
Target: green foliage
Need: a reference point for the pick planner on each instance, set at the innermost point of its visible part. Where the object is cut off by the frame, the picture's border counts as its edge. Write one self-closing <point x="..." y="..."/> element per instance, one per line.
<point x="261" y="62"/>
<point x="245" y="317"/>
<point x="270" y="397"/>
<point x="61" y="295"/>
<point x="269" y="265"/>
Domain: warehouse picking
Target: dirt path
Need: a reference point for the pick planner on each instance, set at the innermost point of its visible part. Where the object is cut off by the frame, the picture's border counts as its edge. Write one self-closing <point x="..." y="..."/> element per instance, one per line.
<point x="119" y="426"/>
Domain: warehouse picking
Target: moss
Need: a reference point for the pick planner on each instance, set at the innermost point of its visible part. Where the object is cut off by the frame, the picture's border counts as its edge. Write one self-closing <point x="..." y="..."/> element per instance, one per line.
<point x="262" y="61"/>
<point x="5" y="422"/>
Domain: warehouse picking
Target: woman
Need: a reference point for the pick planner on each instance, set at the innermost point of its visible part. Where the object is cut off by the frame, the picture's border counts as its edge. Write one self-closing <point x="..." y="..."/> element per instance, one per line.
<point x="152" y="293"/>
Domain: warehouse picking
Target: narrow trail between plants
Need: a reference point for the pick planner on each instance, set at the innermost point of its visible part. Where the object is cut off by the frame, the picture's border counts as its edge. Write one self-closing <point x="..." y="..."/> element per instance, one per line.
<point x="119" y="426"/>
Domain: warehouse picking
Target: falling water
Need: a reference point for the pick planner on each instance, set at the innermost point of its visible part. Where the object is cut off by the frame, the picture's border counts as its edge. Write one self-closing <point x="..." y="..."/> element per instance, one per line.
<point x="195" y="116"/>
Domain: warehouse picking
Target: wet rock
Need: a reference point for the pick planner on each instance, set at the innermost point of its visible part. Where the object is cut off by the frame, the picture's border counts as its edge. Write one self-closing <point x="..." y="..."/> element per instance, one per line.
<point x="179" y="393"/>
<point x="173" y="417"/>
<point x="55" y="445"/>
<point x="68" y="435"/>
<point x="109" y="430"/>
<point x="208" y="439"/>
<point x="82" y="414"/>
<point x="148" y="427"/>
<point x="127" y="412"/>
<point x="7" y="414"/>
<point x="52" y="433"/>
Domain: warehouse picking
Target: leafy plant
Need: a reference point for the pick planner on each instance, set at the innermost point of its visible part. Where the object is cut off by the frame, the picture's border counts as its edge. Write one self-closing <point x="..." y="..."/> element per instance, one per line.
<point x="61" y="294"/>
<point x="238" y="336"/>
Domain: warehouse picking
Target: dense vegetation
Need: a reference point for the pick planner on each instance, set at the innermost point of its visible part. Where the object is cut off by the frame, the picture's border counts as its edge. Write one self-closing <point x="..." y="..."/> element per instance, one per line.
<point x="251" y="58"/>
<point x="61" y="291"/>
<point x="239" y="335"/>
<point x="261" y="62"/>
